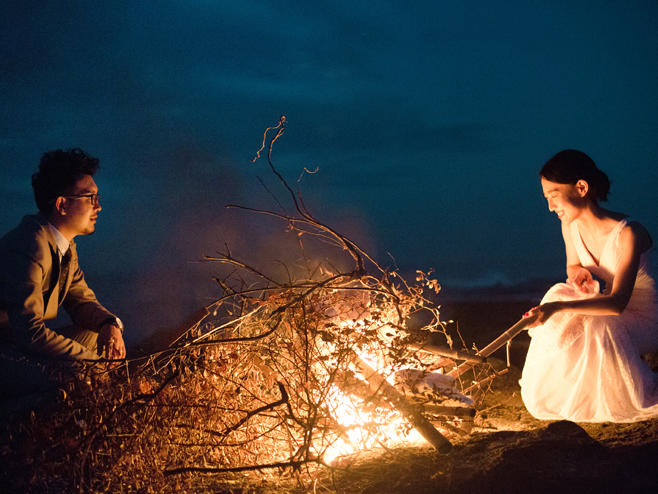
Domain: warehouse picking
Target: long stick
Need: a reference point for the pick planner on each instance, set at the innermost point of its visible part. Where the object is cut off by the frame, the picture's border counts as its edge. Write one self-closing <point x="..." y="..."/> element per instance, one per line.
<point x="493" y="346"/>
<point x="378" y="383"/>
<point x="445" y="351"/>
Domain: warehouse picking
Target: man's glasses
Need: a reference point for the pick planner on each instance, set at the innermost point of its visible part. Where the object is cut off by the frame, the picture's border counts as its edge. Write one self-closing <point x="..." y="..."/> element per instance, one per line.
<point x="94" y="198"/>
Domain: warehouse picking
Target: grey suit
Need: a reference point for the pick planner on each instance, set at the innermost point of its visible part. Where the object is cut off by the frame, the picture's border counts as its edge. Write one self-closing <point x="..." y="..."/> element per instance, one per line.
<point x="33" y="286"/>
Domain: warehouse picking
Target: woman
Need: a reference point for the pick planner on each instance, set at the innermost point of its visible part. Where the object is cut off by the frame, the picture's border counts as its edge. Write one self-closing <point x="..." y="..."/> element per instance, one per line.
<point x="584" y="362"/>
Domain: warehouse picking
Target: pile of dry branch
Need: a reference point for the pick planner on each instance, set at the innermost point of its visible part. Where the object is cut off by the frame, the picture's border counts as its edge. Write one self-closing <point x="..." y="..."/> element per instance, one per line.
<point x="262" y="382"/>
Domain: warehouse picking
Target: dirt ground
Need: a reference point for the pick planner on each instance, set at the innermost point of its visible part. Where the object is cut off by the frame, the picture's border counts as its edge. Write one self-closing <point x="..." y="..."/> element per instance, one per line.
<point x="509" y="451"/>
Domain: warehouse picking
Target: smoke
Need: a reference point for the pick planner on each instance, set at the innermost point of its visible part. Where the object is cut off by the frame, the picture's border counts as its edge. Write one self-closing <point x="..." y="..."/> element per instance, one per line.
<point x="177" y="218"/>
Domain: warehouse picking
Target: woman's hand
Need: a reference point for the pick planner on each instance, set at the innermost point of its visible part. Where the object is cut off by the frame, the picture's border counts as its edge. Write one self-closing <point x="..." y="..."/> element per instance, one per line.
<point x="581" y="278"/>
<point x="540" y="314"/>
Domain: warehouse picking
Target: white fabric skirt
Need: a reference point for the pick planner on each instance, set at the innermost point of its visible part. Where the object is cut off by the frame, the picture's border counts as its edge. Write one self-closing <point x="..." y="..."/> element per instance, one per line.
<point x="589" y="368"/>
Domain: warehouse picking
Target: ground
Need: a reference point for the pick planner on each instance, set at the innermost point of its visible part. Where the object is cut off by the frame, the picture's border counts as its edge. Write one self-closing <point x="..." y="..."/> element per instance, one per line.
<point x="509" y="451"/>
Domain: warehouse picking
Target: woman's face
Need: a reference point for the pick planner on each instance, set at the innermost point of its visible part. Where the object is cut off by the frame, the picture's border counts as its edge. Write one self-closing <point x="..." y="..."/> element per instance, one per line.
<point x="566" y="200"/>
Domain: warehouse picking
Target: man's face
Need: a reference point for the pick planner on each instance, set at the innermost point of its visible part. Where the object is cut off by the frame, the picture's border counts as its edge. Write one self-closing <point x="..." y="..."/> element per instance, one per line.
<point x="81" y="212"/>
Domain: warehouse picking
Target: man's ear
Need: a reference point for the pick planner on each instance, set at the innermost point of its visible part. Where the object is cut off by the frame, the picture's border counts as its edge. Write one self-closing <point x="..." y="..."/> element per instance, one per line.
<point x="59" y="205"/>
<point x="582" y="187"/>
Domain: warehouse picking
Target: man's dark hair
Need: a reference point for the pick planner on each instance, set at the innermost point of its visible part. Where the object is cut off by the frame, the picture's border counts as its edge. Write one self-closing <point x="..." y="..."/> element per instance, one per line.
<point x="58" y="172"/>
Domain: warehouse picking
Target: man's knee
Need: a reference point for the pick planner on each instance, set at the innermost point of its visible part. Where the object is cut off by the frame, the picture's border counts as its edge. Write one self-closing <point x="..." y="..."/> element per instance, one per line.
<point x="67" y="344"/>
<point x="86" y="337"/>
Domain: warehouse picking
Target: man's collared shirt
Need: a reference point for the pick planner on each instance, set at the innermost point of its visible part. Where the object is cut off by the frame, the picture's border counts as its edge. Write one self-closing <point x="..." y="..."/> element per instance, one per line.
<point x="61" y="241"/>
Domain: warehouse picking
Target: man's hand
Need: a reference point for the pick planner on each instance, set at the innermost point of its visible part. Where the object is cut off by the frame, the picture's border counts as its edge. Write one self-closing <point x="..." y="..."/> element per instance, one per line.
<point x="110" y="342"/>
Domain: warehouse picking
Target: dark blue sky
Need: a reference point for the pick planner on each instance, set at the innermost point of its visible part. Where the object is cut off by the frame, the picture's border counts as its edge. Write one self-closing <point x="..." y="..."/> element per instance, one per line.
<point x="428" y="123"/>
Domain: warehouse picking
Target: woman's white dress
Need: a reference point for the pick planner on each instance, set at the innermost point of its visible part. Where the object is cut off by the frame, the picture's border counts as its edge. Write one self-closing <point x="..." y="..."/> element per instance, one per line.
<point x="588" y="368"/>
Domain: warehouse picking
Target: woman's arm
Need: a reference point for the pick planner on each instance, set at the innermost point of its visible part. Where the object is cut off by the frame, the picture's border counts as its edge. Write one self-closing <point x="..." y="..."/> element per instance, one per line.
<point x="632" y="243"/>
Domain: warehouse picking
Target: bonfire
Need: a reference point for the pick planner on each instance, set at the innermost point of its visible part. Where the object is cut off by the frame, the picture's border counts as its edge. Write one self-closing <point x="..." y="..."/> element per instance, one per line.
<point x="278" y="377"/>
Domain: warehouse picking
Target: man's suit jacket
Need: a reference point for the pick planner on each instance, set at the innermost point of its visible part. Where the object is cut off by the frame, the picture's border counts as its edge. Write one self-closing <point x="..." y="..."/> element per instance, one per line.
<point x="30" y="281"/>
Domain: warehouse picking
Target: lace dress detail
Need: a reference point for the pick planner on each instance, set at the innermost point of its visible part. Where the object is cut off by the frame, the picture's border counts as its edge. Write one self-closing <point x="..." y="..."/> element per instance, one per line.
<point x="589" y="368"/>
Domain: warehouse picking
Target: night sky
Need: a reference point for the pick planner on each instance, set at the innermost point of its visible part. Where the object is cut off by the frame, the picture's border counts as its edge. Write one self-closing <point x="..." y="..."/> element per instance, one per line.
<point x="428" y="122"/>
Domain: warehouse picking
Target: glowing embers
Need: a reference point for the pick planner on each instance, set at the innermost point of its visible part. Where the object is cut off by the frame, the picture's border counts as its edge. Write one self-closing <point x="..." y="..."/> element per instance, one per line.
<point x="368" y="410"/>
<point x="365" y="426"/>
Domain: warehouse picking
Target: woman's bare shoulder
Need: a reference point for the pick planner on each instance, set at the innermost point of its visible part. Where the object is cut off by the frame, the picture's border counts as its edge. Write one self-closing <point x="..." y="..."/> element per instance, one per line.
<point x="636" y="232"/>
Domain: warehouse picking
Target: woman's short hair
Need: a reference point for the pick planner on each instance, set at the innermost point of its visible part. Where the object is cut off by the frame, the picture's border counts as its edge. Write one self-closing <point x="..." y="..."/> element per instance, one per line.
<point x="570" y="165"/>
<point x="57" y="174"/>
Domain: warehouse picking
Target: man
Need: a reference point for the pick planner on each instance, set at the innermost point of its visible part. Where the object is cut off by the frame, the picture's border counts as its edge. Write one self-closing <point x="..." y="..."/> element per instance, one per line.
<point x="39" y="268"/>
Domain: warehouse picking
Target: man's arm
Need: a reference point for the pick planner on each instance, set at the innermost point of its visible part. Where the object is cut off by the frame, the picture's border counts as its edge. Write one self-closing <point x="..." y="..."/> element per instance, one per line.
<point x="81" y="302"/>
<point x="24" y="295"/>
<point x="87" y="312"/>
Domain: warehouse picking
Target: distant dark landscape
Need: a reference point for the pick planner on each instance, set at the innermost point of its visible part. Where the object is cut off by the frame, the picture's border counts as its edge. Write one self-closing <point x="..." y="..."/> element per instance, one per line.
<point x="424" y="128"/>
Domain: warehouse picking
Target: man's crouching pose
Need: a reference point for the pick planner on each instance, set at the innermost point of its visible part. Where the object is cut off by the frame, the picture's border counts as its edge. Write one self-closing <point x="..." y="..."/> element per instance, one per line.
<point x="39" y="268"/>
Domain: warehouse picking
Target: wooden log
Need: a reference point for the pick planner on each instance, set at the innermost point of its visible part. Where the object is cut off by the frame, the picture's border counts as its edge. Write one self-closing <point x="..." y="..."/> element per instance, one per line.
<point x="493" y="346"/>
<point x="485" y="381"/>
<point x="463" y="429"/>
<point x="445" y="351"/>
<point x="363" y="390"/>
<point x="449" y="411"/>
<point x="442" y="364"/>
<point x="378" y="383"/>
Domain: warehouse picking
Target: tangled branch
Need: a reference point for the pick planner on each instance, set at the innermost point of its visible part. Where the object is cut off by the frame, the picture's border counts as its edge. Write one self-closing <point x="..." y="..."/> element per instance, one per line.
<point x="274" y="375"/>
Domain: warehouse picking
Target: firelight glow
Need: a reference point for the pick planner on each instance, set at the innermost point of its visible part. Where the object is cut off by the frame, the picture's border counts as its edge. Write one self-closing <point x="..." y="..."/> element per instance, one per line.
<point x="365" y="430"/>
<point x="366" y="427"/>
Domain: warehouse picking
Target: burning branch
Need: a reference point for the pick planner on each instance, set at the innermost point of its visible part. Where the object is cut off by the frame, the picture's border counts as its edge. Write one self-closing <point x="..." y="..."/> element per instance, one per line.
<point x="273" y="375"/>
